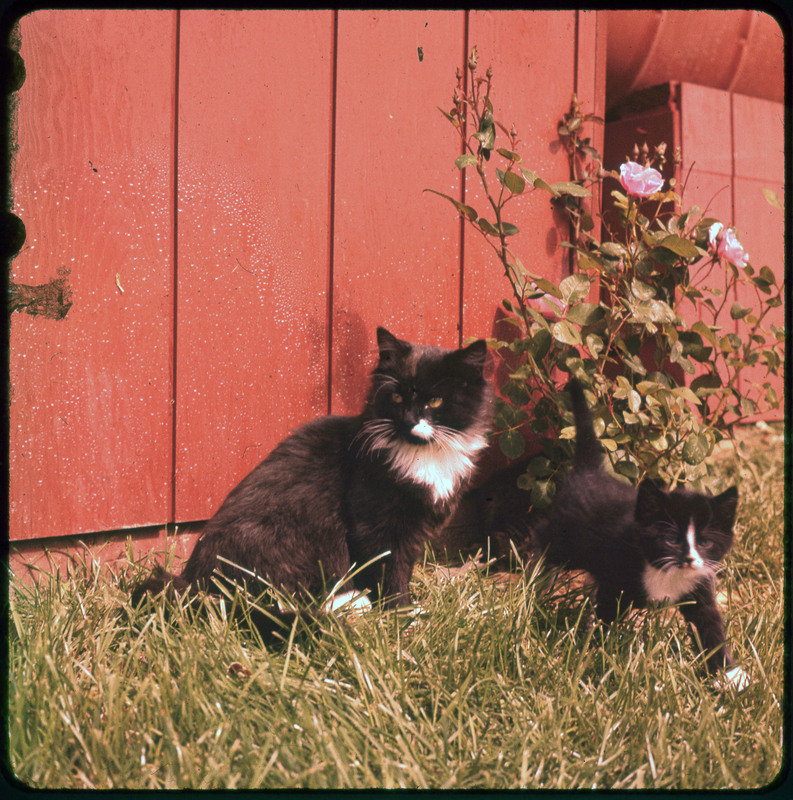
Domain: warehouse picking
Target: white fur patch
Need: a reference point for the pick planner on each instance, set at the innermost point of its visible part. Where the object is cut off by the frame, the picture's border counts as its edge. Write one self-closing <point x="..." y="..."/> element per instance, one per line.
<point x="670" y="584"/>
<point x="354" y="602"/>
<point x="441" y="464"/>
<point x="696" y="560"/>
<point x="422" y="429"/>
<point x="734" y="678"/>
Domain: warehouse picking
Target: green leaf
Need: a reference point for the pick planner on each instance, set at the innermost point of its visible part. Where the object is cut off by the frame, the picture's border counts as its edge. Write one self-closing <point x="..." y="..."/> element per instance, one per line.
<point x="486" y="227"/>
<point x="568" y="187"/>
<point x="461" y="207"/>
<point x="540" y="344"/>
<point x="514" y="182"/>
<point x="738" y="311"/>
<point x="586" y="314"/>
<point x="512" y="444"/>
<point x="696" y="449"/>
<point x="628" y="469"/>
<point x="680" y="246"/>
<point x="509" y="229"/>
<point x="536" y="181"/>
<point x="574" y="287"/>
<point x="641" y="290"/>
<point x="653" y="311"/>
<point x="612" y="250"/>
<point x="465" y="160"/>
<point x="772" y="198"/>
<point x="705" y="384"/>
<point x="549" y="287"/>
<point x="502" y="151"/>
<point x="593" y="343"/>
<point x="564" y="332"/>
<point x="703" y="330"/>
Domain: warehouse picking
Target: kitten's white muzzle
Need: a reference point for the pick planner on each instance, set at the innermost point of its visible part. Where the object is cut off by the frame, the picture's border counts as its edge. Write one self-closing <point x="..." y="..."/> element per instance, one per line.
<point x="422" y="429"/>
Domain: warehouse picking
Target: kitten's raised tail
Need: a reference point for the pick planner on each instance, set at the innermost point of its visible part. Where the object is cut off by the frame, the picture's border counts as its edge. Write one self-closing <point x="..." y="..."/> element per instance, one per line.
<point x="588" y="454"/>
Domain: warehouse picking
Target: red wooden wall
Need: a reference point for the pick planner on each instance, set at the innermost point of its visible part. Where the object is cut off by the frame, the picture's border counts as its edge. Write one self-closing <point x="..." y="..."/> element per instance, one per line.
<point x="239" y="198"/>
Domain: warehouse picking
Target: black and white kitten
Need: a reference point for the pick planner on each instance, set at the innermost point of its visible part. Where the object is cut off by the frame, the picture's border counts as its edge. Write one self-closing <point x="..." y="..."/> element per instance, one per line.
<point x="344" y="490"/>
<point x="641" y="545"/>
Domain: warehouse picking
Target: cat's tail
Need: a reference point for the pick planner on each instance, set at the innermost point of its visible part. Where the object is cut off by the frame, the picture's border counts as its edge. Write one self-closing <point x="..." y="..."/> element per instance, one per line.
<point x="588" y="453"/>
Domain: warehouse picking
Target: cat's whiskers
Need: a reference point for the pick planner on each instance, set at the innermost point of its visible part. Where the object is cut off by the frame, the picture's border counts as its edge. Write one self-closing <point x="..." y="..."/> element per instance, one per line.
<point x="375" y="434"/>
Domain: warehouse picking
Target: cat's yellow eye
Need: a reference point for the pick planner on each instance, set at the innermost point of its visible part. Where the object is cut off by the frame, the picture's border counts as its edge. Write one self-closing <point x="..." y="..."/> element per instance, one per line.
<point x="435" y="402"/>
<point x="396" y="397"/>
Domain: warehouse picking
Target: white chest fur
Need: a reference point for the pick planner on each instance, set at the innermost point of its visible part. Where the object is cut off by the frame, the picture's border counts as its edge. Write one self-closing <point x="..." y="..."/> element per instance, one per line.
<point x="670" y="584"/>
<point x="440" y="465"/>
<point x="675" y="582"/>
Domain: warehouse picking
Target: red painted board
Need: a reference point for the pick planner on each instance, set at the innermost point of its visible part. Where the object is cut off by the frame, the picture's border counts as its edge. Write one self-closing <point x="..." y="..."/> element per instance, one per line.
<point x="396" y="248"/>
<point x="534" y="68"/>
<point x="761" y="228"/>
<point x="759" y="136"/>
<point x="254" y="170"/>
<point x="705" y="128"/>
<point x="90" y="412"/>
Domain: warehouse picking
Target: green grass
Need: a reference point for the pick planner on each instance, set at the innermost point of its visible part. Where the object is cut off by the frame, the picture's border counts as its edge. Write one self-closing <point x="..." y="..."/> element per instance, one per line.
<point x="491" y="686"/>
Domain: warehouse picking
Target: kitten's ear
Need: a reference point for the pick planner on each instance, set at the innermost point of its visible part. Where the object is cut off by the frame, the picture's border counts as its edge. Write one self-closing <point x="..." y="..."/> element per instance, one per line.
<point x="473" y="356"/>
<point x="650" y="501"/>
<point x="724" y="507"/>
<point x="389" y="345"/>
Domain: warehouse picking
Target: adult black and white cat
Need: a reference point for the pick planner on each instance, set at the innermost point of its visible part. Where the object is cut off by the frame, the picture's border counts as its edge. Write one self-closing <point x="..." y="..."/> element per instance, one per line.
<point x="344" y="490"/>
<point x="641" y="544"/>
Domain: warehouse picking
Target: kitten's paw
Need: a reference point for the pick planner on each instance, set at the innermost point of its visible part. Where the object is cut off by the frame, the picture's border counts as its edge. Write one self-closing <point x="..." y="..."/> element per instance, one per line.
<point x="734" y="678"/>
<point x="351" y="602"/>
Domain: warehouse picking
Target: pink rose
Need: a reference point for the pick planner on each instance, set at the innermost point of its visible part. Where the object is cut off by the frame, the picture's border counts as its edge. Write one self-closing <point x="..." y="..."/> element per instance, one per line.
<point x="731" y="249"/>
<point x="638" y="180"/>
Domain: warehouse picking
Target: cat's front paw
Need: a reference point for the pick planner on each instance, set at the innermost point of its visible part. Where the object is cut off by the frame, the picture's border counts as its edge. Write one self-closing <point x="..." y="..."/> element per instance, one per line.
<point x="733" y="678"/>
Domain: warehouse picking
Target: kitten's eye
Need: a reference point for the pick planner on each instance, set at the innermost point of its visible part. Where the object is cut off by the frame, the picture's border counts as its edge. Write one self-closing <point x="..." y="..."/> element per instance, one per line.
<point x="435" y="402"/>
<point x="396" y="397"/>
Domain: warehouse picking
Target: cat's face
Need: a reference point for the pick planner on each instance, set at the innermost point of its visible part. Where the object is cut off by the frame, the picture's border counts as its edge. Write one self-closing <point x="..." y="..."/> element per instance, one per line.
<point x="684" y="530"/>
<point x="425" y="395"/>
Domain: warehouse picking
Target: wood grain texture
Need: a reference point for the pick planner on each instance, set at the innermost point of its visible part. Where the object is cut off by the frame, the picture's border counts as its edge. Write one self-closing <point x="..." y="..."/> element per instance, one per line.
<point x="253" y="245"/>
<point x="396" y="248"/>
<point x="90" y="411"/>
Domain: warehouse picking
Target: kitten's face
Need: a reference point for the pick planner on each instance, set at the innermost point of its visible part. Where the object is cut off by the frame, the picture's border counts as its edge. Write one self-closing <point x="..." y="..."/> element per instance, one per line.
<point x="424" y="394"/>
<point x="684" y="530"/>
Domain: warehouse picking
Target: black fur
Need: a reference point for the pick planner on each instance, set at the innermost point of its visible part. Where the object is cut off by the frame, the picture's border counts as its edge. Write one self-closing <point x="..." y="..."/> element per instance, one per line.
<point x="636" y="543"/>
<point x="618" y="533"/>
<point x="343" y="490"/>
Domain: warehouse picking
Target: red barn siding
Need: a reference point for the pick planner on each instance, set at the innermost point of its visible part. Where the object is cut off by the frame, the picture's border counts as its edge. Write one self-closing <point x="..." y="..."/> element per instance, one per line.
<point x="395" y="248"/>
<point x="255" y="104"/>
<point x="253" y="181"/>
<point x="90" y="413"/>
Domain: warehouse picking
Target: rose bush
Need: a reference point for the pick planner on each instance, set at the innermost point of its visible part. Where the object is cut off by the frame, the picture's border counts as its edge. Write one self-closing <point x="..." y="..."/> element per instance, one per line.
<point x="652" y="349"/>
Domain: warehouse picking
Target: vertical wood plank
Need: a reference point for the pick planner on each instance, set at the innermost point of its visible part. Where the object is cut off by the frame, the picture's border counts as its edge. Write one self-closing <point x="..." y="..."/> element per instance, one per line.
<point x="90" y="411"/>
<point x="533" y="59"/>
<point x="396" y="248"/>
<point x="759" y="140"/>
<point x="253" y="259"/>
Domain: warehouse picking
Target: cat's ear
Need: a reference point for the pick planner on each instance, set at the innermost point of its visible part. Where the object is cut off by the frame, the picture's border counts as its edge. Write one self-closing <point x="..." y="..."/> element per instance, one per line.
<point x="724" y="507"/>
<point x="472" y="356"/>
<point x="650" y="501"/>
<point x="390" y="346"/>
